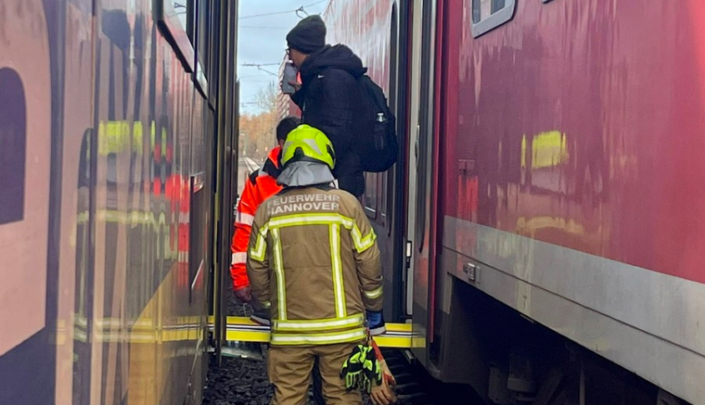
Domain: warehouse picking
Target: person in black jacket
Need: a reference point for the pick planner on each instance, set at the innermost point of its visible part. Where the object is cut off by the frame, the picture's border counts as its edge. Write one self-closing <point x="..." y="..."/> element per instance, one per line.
<point x="328" y="94"/>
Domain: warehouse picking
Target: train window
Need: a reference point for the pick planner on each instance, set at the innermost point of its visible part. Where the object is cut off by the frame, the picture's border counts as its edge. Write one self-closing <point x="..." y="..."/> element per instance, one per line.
<point x="213" y="45"/>
<point x="200" y="29"/>
<point x="424" y="163"/>
<point x="490" y="14"/>
<point x="197" y="234"/>
<point x="203" y="17"/>
<point x="13" y="146"/>
<point x="389" y="176"/>
<point x="187" y="16"/>
<point x="174" y="18"/>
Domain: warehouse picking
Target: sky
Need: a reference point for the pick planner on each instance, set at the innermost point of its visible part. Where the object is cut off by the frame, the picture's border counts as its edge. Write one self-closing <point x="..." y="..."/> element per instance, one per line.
<point x="262" y="40"/>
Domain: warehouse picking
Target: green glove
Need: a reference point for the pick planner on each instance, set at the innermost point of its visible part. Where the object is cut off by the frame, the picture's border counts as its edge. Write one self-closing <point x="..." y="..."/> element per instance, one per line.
<point x="361" y="369"/>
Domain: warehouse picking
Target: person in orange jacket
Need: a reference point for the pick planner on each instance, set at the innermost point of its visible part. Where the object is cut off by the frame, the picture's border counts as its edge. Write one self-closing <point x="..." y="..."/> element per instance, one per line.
<point x="261" y="185"/>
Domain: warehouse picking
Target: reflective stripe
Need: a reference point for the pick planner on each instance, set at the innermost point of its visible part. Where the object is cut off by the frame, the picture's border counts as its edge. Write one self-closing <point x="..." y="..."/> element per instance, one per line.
<point x="310" y="219"/>
<point x="338" y="288"/>
<point x="244" y="219"/>
<point x="239" y="258"/>
<point x="318" y="325"/>
<point x="361" y="243"/>
<point x="321" y="338"/>
<point x="376" y="293"/>
<point x="334" y="222"/>
<point x="261" y="245"/>
<point x="279" y="269"/>
<point x="184" y="217"/>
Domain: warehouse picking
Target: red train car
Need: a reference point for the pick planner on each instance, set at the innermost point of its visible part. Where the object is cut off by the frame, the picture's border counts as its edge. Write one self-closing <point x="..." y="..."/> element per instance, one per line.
<point x="544" y="226"/>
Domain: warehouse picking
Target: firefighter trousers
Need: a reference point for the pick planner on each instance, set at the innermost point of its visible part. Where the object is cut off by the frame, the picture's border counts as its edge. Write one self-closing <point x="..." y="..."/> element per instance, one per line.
<point x="290" y="367"/>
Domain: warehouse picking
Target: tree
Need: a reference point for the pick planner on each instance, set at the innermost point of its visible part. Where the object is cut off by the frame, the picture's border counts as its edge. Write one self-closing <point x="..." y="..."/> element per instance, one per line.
<point x="258" y="130"/>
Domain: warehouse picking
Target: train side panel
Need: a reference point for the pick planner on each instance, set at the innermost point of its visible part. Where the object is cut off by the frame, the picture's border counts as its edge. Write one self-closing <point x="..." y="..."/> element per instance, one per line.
<point x="104" y="150"/>
<point x="572" y="180"/>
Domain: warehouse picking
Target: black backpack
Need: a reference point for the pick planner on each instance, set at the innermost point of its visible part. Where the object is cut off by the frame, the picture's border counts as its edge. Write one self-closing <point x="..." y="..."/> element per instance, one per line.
<point x="375" y="128"/>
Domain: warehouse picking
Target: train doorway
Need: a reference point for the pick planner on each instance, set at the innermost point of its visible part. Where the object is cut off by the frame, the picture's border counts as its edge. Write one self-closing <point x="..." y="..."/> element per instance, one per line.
<point x="419" y="170"/>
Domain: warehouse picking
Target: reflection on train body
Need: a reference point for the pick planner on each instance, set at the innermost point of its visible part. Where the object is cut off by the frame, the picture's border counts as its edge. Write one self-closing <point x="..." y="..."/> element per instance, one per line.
<point x="107" y="155"/>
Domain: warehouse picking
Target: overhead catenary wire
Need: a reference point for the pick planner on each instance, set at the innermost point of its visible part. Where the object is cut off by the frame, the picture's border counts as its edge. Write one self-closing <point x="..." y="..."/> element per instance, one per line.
<point x="283" y="12"/>
<point x="248" y="64"/>
<point x="259" y="67"/>
<point x="254" y="27"/>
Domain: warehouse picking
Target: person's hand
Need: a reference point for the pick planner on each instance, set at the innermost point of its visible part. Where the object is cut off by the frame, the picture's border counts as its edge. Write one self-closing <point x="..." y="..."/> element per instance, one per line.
<point x="382" y="394"/>
<point x="297" y="85"/>
<point x="244" y="294"/>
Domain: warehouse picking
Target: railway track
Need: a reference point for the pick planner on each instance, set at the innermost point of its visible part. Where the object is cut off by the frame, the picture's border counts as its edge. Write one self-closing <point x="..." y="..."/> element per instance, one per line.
<point x="244" y="381"/>
<point x="250" y="164"/>
<point x="242" y="377"/>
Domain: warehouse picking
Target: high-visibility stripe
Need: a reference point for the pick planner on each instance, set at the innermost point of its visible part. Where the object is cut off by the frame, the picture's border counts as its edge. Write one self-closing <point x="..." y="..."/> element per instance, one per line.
<point x="279" y="269"/>
<point x="334" y="222"/>
<point x="310" y="219"/>
<point x="261" y="245"/>
<point x="336" y="264"/>
<point x="318" y="325"/>
<point x="362" y="243"/>
<point x="245" y="219"/>
<point x="184" y="217"/>
<point x="239" y="258"/>
<point x="320" y="338"/>
<point x="376" y="293"/>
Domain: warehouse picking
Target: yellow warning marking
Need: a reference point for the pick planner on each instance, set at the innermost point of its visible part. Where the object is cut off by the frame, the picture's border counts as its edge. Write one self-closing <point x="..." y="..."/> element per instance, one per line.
<point x="242" y="329"/>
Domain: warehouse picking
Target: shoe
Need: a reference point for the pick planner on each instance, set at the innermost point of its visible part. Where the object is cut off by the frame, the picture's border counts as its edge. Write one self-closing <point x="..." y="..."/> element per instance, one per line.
<point x="261" y="316"/>
<point x="375" y="322"/>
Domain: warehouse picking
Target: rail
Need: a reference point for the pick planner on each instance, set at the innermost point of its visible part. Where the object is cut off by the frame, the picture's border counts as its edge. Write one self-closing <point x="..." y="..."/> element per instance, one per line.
<point x="251" y="165"/>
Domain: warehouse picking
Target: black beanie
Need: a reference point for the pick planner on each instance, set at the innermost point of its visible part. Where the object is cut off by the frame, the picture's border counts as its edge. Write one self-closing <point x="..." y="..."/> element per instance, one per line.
<point x="308" y="36"/>
<point x="287" y="125"/>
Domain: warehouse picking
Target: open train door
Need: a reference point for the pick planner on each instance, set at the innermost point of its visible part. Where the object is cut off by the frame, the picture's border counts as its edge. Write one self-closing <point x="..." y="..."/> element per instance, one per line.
<point x="226" y="163"/>
<point x="419" y="200"/>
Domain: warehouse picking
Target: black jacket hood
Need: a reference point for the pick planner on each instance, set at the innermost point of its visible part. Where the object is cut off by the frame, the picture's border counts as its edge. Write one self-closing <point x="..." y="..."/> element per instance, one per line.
<point x="337" y="57"/>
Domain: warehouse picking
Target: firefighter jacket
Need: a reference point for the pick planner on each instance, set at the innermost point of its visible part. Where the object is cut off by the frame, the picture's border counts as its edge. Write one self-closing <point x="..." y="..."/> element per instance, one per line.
<point x="261" y="185"/>
<point x="314" y="259"/>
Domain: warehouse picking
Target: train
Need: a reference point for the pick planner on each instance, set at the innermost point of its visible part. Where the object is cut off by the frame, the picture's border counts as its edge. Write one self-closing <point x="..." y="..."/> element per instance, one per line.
<point x="543" y="227"/>
<point x="541" y="230"/>
<point x="118" y="151"/>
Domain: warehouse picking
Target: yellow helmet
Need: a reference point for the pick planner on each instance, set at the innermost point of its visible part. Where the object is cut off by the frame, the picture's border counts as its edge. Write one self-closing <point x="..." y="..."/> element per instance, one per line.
<point x="306" y="143"/>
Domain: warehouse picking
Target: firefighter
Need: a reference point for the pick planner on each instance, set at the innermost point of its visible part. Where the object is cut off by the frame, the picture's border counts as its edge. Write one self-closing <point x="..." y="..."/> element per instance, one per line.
<point x="314" y="257"/>
<point x="261" y="185"/>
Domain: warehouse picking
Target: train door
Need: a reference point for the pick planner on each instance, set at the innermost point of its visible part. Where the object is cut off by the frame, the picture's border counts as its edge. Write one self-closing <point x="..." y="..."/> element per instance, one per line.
<point x="394" y="186"/>
<point x="413" y="134"/>
<point x="420" y="154"/>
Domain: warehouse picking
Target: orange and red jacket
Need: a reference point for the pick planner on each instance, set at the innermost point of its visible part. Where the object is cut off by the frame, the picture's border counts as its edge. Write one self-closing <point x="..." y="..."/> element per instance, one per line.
<point x="261" y="185"/>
